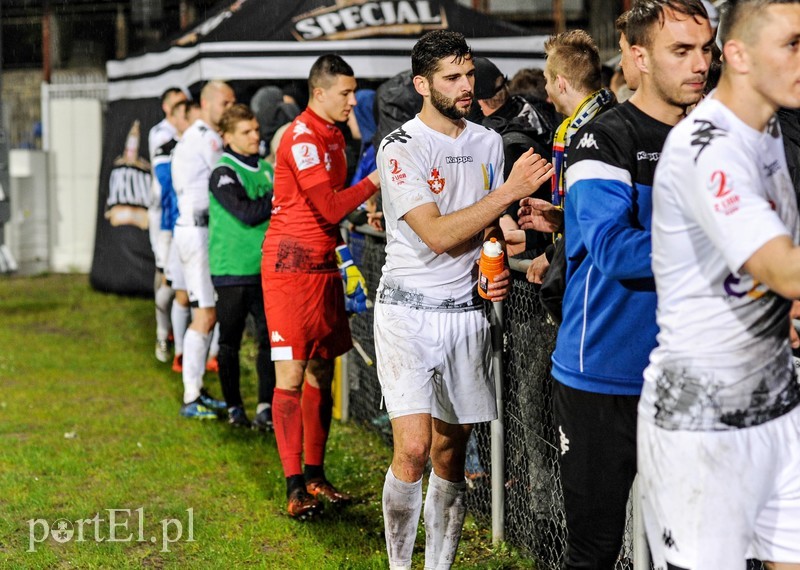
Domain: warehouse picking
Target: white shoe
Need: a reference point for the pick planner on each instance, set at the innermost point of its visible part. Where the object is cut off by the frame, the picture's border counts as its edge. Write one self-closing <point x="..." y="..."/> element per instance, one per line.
<point x="162" y="351"/>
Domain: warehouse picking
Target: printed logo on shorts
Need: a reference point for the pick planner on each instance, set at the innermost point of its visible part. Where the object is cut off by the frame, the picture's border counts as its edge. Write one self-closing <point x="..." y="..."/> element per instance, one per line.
<point x="563" y="440"/>
<point x="305" y="155"/>
<point x="276" y="337"/>
<point x="587" y="141"/>
<point x="436" y="182"/>
<point x="669" y="542"/>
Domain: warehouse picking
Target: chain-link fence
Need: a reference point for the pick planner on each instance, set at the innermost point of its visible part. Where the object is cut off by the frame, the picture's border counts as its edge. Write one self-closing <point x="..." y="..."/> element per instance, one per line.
<point x="534" y="512"/>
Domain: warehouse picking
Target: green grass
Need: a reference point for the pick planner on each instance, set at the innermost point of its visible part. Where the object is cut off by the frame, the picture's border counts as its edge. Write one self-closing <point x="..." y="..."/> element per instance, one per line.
<point x="89" y="422"/>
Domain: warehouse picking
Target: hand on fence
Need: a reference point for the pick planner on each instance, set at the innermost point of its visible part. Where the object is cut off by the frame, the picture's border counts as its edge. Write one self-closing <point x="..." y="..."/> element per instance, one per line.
<point x="355" y="287"/>
<point x="537" y="269"/>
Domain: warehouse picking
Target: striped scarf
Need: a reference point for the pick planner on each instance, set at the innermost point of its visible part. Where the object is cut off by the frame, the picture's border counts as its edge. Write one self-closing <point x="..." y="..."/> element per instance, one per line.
<point x="589" y="107"/>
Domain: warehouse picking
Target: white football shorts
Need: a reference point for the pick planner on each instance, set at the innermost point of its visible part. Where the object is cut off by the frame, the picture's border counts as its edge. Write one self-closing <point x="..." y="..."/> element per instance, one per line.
<point x="712" y="499"/>
<point x="436" y="363"/>
<point x="192" y="245"/>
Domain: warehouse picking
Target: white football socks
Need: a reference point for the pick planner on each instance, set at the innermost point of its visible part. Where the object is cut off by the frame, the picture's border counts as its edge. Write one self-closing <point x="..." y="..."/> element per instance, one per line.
<point x="444" y="517"/>
<point x="164" y="295"/>
<point x="195" y="348"/>
<point x="180" y="322"/>
<point x="402" y="503"/>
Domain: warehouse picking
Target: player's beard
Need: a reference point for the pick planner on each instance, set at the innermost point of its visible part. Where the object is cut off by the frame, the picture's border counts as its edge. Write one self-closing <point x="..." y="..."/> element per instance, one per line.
<point x="446" y="106"/>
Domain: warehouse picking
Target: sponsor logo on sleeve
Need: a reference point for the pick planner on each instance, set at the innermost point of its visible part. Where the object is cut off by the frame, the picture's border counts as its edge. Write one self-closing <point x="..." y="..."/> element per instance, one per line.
<point x="224" y="180"/>
<point x="436" y="182"/>
<point x="300" y="128"/>
<point x="726" y="201"/>
<point x="398" y="176"/>
<point x="305" y="155"/>
<point x="398" y="135"/>
<point x="488" y="176"/>
<point x="588" y="141"/>
<point x="704" y="134"/>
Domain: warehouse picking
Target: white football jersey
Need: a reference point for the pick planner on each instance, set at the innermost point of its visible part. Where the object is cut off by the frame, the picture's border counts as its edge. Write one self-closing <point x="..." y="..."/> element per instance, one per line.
<point x="418" y="165"/>
<point x="722" y="190"/>
<point x="193" y="159"/>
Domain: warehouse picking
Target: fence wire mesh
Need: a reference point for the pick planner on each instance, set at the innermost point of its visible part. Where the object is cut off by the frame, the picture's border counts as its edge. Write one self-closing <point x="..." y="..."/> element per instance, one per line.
<point x="534" y="511"/>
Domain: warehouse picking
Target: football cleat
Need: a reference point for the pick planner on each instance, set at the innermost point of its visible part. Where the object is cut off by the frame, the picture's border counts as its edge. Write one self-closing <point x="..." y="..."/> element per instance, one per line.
<point x="263" y="420"/>
<point x="211" y="402"/>
<point x="177" y="363"/>
<point x="322" y="488"/>
<point x="162" y="351"/>
<point x="237" y="417"/>
<point x="303" y="506"/>
<point x="198" y="411"/>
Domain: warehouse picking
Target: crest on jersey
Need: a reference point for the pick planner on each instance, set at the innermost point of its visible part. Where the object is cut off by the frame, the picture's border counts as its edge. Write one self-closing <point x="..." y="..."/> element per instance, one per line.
<point x="436" y="182"/>
<point x="305" y="155"/>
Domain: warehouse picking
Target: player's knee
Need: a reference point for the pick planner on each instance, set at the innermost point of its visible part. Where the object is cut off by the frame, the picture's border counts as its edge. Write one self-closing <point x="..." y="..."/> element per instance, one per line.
<point x="412" y="457"/>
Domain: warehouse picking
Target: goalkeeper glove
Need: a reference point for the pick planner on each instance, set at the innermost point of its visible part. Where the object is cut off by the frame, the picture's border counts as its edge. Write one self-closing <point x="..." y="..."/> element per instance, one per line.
<point x="355" y="288"/>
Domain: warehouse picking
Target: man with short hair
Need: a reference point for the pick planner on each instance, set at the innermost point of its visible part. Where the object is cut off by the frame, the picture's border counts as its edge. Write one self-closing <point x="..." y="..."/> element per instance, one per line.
<point x="163" y="132"/>
<point x="177" y="303"/>
<point x="303" y="297"/>
<point x="443" y="191"/>
<point x="193" y="159"/>
<point x="239" y="210"/>
<point x="719" y="422"/>
<point x="609" y="327"/>
<point x="572" y="74"/>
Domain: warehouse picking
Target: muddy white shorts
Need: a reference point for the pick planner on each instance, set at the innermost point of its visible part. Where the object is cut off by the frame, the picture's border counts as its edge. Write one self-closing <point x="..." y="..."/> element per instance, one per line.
<point x="436" y="363"/>
<point x="173" y="270"/>
<point x="192" y="245"/>
<point x="714" y="499"/>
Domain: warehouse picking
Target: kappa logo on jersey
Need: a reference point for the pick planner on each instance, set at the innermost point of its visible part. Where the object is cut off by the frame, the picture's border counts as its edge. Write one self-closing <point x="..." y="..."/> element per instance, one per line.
<point x="276" y="337"/>
<point x="771" y="168"/>
<point x="224" y="180"/>
<point x="587" y="141"/>
<point x="300" y="128"/>
<point x="457" y="159"/>
<point x="398" y="176"/>
<point x="727" y="202"/>
<point x="488" y="176"/>
<point x="436" y="182"/>
<point x="705" y="132"/>
<point x="651" y="156"/>
<point x="327" y="160"/>
<point x="305" y="155"/>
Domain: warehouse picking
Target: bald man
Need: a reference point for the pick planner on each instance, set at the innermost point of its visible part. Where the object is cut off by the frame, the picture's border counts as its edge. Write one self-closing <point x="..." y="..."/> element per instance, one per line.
<point x="194" y="158"/>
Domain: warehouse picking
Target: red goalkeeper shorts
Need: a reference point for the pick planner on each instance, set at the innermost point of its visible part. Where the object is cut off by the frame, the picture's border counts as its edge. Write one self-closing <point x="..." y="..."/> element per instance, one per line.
<point x="305" y="314"/>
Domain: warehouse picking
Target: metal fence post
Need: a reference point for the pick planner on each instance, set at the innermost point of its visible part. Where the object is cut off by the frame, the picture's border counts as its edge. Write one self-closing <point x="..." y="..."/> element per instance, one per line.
<point x="497" y="429"/>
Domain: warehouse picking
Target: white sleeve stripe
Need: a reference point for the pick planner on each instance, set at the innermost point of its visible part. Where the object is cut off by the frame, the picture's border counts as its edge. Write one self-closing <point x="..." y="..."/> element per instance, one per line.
<point x="596" y="170"/>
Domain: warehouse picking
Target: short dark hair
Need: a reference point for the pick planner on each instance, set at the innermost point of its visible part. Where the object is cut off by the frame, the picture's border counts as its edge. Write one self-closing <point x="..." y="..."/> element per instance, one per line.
<point x="324" y="71"/>
<point x="644" y="14"/>
<point x="621" y="23"/>
<point x="741" y="18"/>
<point x="574" y="55"/>
<point x="234" y="115"/>
<point x="165" y="95"/>
<point x="435" y="46"/>
<point x="180" y="107"/>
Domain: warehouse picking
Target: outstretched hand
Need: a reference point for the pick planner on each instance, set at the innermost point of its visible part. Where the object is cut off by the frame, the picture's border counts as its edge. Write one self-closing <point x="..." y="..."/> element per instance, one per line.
<point x="529" y="172"/>
<point x="539" y="215"/>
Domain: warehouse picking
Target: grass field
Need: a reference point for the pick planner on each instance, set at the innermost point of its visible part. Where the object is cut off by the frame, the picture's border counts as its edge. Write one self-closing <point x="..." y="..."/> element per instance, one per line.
<point x="91" y="443"/>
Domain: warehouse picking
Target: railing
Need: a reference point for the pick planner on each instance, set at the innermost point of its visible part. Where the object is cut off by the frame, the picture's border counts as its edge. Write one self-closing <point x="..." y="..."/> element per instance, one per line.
<point x="532" y="510"/>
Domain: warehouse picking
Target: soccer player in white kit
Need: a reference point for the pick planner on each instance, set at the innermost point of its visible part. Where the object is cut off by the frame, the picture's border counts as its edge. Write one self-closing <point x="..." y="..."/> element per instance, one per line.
<point x="161" y="133"/>
<point x="719" y="422"/>
<point x="193" y="159"/>
<point x="443" y="192"/>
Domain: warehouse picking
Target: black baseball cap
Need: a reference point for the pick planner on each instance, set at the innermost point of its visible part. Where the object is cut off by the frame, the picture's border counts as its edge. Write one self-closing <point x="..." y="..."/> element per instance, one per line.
<point x="486" y="75"/>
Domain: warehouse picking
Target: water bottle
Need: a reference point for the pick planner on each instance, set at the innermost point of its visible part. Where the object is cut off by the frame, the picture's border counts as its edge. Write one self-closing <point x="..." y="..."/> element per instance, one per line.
<point x="491" y="265"/>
